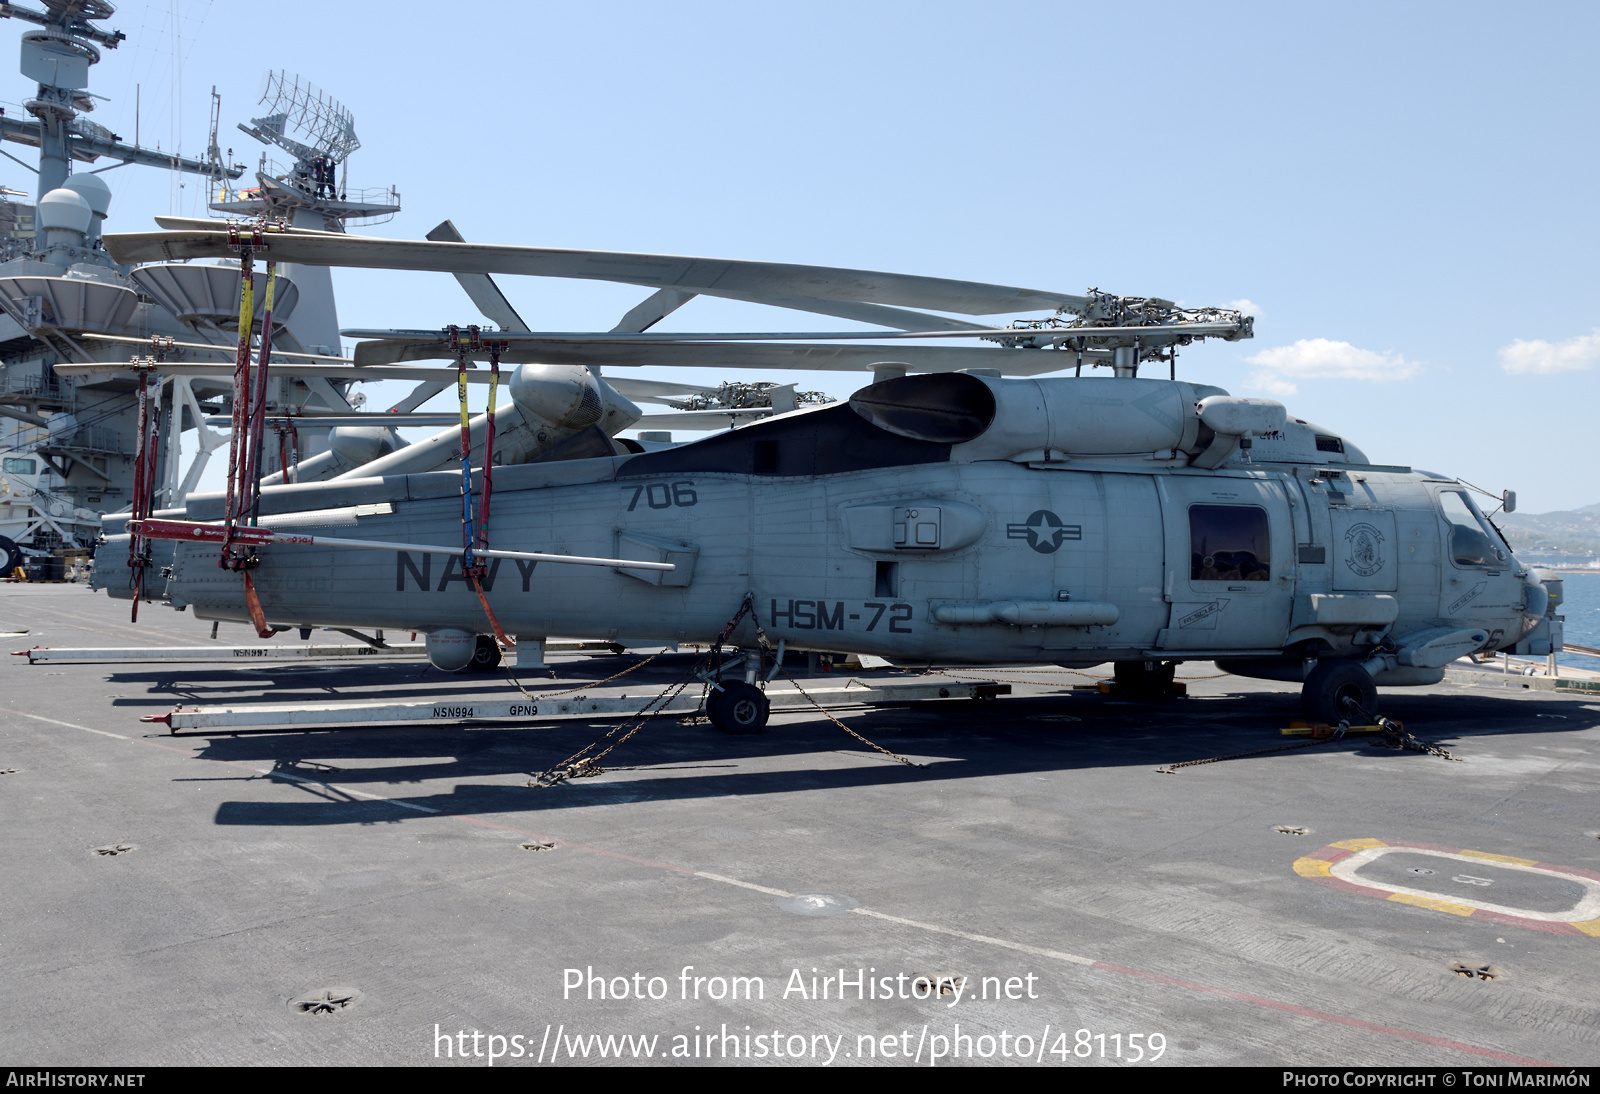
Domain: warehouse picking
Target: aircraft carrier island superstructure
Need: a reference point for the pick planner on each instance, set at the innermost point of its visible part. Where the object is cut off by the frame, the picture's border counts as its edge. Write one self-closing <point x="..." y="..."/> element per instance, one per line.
<point x="69" y="443"/>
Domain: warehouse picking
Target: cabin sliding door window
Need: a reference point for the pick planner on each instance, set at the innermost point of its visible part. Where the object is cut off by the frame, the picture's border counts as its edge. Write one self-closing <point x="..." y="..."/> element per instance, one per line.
<point x="1229" y="543"/>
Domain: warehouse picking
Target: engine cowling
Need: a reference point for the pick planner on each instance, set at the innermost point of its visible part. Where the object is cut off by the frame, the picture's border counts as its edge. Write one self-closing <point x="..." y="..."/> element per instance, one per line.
<point x="1046" y="418"/>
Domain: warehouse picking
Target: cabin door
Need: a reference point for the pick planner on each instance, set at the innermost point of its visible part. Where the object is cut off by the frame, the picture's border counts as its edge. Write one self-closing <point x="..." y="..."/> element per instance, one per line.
<point x="1229" y="579"/>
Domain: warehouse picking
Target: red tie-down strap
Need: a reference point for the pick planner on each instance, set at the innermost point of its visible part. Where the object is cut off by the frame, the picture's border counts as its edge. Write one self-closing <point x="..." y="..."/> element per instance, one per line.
<point x="195" y="532"/>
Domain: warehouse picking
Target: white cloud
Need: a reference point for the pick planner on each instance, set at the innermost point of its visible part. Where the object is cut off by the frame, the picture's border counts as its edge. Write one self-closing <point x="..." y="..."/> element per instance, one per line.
<point x="1544" y="358"/>
<point x="1248" y="307"/>
<point x="1324" y="359"/>
<point x="1265" y="381"/>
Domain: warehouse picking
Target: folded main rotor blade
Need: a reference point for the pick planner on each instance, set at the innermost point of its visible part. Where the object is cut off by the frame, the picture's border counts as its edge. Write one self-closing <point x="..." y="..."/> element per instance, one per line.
<point x="649" y="311"/>
<point x="701" y="419"/>
<point x="898" y="318"/>
<point x="480" y="288"/>
<point x="741" y="279"/>
<point x="163" y="342"/>
<point x="375" y="356"/>
<point x="275" y="368"/>
<point x="383" y="360"/>
<point x="1155" y="333"/>
<point x="329" y="421"/>
<point x="652" y="390"/>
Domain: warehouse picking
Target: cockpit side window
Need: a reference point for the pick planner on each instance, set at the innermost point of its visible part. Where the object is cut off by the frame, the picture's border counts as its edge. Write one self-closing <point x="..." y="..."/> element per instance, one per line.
<point x="1229" y="543"/>
<point x="1471" y="541"/>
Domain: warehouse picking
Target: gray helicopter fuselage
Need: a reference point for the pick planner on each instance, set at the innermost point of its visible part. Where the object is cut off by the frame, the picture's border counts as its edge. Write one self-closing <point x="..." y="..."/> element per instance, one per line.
<point x="851" y="538"/>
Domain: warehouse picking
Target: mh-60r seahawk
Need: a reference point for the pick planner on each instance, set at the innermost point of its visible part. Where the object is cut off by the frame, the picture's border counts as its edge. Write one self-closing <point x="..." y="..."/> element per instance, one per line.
<point x="963" y="508"/>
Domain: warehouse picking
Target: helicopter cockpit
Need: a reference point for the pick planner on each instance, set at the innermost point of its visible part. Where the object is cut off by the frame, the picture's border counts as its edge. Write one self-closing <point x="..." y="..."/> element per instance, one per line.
<point x="1473" y="540"/>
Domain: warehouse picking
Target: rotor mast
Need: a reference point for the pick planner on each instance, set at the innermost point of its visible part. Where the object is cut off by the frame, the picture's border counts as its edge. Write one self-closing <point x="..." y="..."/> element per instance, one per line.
<point x="1129" y="329"/>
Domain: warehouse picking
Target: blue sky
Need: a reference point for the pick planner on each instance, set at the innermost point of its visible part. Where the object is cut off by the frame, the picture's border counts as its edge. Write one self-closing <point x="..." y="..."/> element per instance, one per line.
<point x="1402" y="192"/>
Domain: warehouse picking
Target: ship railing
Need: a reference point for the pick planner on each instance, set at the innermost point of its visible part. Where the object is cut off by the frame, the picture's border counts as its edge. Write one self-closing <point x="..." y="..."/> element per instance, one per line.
<point x="31" y="383"/>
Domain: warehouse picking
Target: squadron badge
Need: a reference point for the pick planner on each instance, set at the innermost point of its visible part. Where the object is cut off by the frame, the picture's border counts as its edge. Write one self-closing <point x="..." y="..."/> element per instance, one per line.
<point x="1363" y="549"/>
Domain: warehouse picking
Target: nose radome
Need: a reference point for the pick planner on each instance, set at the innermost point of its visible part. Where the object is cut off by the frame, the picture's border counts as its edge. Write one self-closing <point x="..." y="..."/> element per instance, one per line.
<point x="1536" y="599"/>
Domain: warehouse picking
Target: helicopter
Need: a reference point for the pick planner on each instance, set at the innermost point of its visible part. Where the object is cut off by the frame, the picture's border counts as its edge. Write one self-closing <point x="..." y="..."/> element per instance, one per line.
<point x="973" y="504"/>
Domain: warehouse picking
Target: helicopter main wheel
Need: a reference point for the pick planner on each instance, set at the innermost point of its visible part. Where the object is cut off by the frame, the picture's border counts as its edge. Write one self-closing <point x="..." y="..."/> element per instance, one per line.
<point x="738" y="708"/>
<point x="1154" y="677"/>
<point x="13" y="556"/>
<point x="485" y="655"/>
<point x="1338" y="690"/>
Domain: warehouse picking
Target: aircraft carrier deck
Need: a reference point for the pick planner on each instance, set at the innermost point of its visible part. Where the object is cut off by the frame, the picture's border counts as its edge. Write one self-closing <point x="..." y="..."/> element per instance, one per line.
<point x="1038" y="858"/>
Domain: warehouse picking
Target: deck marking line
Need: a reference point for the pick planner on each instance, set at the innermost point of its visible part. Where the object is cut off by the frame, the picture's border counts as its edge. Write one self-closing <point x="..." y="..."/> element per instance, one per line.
<point x="747" y="885"/>
<point x="268" y="772"/>
<point x="1337" y="1019"/>
<point x="69" y="725"/>
<point x="1057" y="955"/>
<point x="347" y="790"/>
<point x="1500" y="858"/>
<point x="1431" y="902"/>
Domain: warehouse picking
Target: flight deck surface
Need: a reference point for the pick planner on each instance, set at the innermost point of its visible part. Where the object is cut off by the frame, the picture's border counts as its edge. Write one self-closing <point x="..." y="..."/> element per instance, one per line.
<point x="1038" y="858"/>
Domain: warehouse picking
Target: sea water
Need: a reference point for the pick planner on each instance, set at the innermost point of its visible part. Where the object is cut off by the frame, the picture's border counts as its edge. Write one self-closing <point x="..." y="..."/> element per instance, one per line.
<point x="1581" y="607"/>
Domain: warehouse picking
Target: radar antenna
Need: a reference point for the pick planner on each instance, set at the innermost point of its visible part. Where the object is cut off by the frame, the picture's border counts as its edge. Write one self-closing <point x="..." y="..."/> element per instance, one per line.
<point x="320" y="133"/>
<point x="297" y="105"/>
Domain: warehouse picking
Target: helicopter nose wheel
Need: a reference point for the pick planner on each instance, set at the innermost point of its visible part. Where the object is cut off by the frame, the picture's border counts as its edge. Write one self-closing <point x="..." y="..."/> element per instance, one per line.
<point x="739" y="708"/>
<point x="485" y="655"/>
<point x="1338" y="690"/>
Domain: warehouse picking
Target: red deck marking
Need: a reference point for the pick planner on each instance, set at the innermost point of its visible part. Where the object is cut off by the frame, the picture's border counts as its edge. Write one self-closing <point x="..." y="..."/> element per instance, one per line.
<point x="1324" y="1016"/>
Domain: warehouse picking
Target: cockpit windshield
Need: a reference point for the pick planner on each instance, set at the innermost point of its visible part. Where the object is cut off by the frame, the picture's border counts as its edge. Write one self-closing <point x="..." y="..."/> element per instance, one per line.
<point x="1473" y="540"/>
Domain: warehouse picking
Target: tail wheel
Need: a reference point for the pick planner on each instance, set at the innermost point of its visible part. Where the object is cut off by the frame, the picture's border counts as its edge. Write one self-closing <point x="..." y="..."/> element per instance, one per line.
<point x="1338" y="690"/>
<point x="485" y="655"/>
<point x="738" y="708"/>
